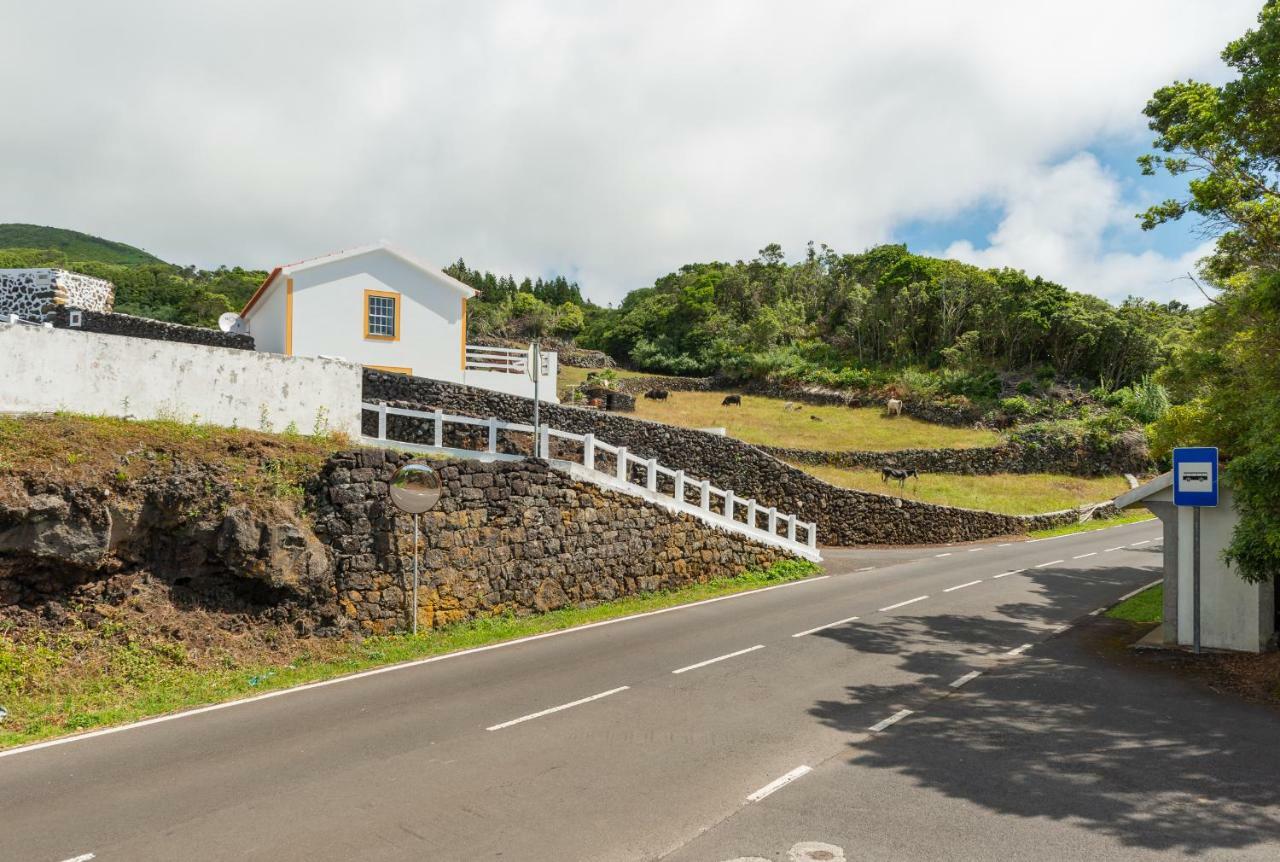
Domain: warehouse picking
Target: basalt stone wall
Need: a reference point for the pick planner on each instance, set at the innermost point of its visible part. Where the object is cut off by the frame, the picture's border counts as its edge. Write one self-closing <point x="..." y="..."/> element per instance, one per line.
<point x="843" y="516"/>
<point x="33" y="293"/>
<point x="506" y="536"/>
<point x="928" y="411"/>
<point x="157" y="330"/>
<point x="641" y="385"/>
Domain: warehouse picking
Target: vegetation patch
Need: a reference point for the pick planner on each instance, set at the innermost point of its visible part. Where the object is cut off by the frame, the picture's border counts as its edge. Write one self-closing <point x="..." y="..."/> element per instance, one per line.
<point x="1087" y="526"/>
<point x="150" y="658"/>
<point x="1146" y="607"/>
<point x="1007" y="493"/>
<point x="765" y="421"/>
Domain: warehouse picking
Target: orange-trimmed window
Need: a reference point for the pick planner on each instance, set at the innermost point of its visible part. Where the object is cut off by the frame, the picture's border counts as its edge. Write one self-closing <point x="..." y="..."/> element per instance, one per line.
<point x="382" y="315"/>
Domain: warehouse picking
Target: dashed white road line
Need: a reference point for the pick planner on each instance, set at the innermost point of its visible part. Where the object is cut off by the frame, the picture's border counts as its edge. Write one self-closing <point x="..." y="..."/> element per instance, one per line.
<point x="968" y="677"/>
<point x="719" y="658"/>
<point x="1116" y="548"/>
<point x="1143" y="542"/>
<point x="1007" y="574"/>
<point x="827" y="626"/>
<point x="1004" y="544"/>
<point x="83" y="857"/>
<point x="1019" y="650"/>
<point x="903" y="604"/>
<point x="562" y="706"/>
<point x="893" y="719"/>
<point x="779" y="783"/>
<point x="1062" y="628"/>
<point x="947" y="554"/>
<point x="1050" y="563"/>
<point x="864" y="569"/>
<point x="962" y="586"/>
<point x="1082" y="556"/>
<point x="972" y="550"/>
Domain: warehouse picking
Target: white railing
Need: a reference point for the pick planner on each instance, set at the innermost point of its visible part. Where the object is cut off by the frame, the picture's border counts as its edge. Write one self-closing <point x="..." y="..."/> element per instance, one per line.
<point x="509" y="360"/>
<point x="658" y="479"/>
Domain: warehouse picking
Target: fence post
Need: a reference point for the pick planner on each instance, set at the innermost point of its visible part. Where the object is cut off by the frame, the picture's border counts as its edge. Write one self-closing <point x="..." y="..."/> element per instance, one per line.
<point x="704" y="502"/>
<point x="751" y="513"/>
<point x="728" y="504"/>
<point x="651" y="481"/>
<point x="439" y="438"/>
<point x="546" y="442"/>
<point x="813" y="536"/>
<point x="791" y="528"/>
<point x="493" y="434"/>
<point x="678" y="491"/>
<point x="589" y="451"/>
<point x="382" y="420"/>
<point x="773" y="520"/>
<point x="622" y="463"/>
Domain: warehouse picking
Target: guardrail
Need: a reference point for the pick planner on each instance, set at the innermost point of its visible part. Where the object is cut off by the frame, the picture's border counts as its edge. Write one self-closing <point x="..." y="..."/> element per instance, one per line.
<point x="509" y="360"/>
<point x="783" y="528"/>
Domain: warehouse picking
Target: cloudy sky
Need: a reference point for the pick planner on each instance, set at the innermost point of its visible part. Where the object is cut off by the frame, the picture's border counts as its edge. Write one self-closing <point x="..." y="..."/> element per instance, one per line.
<point x="610" y="142"/>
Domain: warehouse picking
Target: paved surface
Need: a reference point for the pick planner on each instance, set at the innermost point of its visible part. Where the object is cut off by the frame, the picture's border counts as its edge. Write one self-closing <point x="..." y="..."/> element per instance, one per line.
<point x="733" y="728"/>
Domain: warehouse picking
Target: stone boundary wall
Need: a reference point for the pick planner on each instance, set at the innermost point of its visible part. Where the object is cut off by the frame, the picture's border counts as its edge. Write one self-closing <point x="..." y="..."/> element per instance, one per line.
<point x="142" y="327"/>
<point x="33" y="293"/>
<point x="506" y="536"/>
<point x="1051" y="457"/>
<point x="843" y="516"/>
<point x="641" y="385"/>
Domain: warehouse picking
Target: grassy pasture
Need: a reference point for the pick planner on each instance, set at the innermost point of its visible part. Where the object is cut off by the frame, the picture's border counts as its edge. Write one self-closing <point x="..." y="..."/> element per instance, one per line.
<point x="1010" y="493"/>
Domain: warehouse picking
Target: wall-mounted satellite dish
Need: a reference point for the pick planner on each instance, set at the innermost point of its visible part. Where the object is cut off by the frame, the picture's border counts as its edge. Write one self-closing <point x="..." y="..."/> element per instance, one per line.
<point x="233" y="323"/>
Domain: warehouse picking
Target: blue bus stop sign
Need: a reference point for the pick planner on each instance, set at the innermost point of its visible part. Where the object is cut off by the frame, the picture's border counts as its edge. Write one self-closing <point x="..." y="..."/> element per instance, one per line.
<point x="1195" y="476"/>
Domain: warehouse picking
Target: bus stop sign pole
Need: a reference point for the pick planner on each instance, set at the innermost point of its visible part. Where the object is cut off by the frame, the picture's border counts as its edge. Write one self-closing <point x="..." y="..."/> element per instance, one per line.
<point x="1195" y="484"/>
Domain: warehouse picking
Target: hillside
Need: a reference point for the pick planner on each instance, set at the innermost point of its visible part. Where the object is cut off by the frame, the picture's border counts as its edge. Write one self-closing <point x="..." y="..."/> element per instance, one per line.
<point x="73" y="244"/>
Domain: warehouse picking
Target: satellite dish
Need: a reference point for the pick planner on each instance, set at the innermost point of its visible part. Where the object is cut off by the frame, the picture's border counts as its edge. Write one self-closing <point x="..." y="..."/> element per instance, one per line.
<point x="233" y="323"/>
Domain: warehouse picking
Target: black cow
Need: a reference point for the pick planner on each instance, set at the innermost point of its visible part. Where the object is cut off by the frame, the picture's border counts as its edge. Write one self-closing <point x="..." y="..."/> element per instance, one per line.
<point x="657" y="394"/>
<point x="887" y="473"/>
<point x="730" y="400"/>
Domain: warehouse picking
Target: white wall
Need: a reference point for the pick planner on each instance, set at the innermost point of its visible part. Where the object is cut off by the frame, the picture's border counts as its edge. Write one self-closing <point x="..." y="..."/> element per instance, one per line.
<point x="329" y="315"/>
<point x="266" y="318"/>
<point x="518" y="384"/>
<point x="88" y="372"/>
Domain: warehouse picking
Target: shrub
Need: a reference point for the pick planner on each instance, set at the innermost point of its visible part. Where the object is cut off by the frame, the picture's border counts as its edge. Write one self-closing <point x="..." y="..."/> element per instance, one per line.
<point x="1016" y="406"/>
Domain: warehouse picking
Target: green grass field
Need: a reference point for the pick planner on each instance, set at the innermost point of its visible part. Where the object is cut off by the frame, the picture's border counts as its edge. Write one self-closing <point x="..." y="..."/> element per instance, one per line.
<point x="1088" y="526"/>
<point x="1010" y="493"/>
<point x="763" y="421"/>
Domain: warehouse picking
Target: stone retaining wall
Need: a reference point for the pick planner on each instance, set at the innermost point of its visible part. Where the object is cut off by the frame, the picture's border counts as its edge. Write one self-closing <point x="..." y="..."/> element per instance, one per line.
<point x="506" y="536"/>
<point x="142" y="327"/>
<point x="843" y="516"/>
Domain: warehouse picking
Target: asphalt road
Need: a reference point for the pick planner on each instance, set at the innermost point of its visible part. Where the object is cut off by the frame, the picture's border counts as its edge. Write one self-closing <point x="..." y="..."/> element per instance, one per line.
<point x="667" y="735"/>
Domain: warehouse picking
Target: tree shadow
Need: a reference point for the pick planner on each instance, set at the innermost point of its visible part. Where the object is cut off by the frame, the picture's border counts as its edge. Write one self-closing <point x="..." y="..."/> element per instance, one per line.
<point x="1075" y="731"/>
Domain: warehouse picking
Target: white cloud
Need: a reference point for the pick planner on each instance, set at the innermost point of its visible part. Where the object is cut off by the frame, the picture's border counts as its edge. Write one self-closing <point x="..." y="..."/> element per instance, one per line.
<point x="616" y="141"/>
<point x="1060" y="222"/>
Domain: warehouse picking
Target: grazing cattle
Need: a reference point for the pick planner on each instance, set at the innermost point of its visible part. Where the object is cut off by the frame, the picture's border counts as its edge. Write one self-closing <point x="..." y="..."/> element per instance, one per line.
<point x="887" y="473"/>
<point x="791" y="405"/>
<point x="814" y="418"/>
<point x="894" y="407"/>
<point x="730" y="400"/>
<point x="657" y="394"/>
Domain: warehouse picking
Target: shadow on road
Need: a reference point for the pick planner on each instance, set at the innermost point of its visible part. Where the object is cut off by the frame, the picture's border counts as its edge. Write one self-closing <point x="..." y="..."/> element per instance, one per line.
<point x="1076" y="730"/>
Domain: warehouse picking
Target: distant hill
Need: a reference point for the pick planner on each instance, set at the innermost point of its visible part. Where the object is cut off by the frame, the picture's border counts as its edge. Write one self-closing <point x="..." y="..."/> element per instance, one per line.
<point x="75" y="245"/>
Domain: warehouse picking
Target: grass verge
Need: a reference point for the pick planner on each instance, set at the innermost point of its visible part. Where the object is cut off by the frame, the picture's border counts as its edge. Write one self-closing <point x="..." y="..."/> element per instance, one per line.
<point x="1146" y="607"/>
<point x="1087" y="526"/>
<point x="763" y="421"/>
<point x="78" y="679"/>
<point x="1010" y="493"/>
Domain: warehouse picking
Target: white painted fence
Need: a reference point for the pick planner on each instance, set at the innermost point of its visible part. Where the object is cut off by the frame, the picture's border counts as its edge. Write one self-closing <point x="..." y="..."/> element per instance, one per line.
<point x="506" y="369"/>
<point x="780" y="529"/>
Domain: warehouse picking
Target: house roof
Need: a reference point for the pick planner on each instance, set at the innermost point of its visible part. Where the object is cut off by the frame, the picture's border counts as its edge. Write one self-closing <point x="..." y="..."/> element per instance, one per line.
<point x="1142" y="492"/>
<point x="382" y="245"/>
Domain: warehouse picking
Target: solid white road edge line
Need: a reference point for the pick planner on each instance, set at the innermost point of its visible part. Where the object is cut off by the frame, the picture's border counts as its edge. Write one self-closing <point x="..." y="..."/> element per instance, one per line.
<point x="827" y="626"/>
<point x="1082" y="556"/>
<point x="1143" y="542"/>
<point x="962" y="586"/>
<point x="1019" y="650"/>
<point x="1133" y="593"/>
<point x="893" y="719"/>
<point x="719" y="658"/>
<point x="777" y="783"/>
<point x="968" y="677"/>
<point x="541" y="713"/>
<point x="1050" y="563"/>
<point x="214" y="707"/>
<point x="1007" y="574"/>
<point x="902" y="604"/>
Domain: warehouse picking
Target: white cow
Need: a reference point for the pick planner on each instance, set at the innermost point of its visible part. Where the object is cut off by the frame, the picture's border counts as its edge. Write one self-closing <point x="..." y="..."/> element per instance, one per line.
<point x="894" y="407"/>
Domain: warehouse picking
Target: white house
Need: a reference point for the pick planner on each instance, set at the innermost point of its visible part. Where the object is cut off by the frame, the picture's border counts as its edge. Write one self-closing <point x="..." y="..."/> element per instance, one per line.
<point x="1234" y="614"/>
<point x="378" y="306"/>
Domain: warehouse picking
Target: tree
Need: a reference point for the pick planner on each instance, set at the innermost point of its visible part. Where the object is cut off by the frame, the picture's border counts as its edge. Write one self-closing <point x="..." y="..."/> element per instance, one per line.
<point x="1228" y="139"/>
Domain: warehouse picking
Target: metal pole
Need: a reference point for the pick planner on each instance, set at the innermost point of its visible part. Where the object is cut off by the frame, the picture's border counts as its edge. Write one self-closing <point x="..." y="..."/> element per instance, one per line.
<point x="537" y="373"/>
<point x="1195" y="579"/>
<point x="413" y="605"/>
